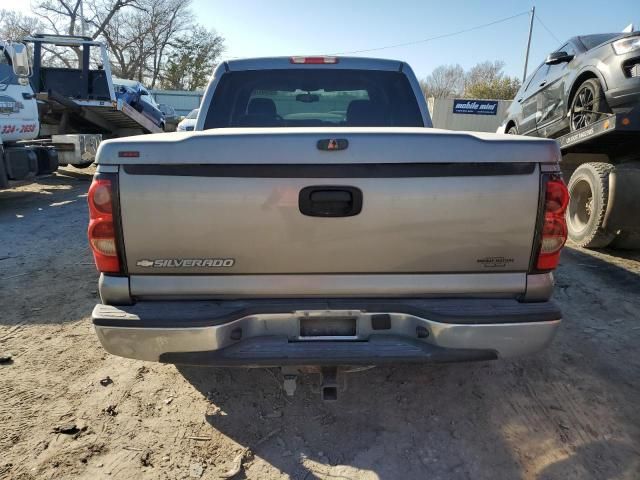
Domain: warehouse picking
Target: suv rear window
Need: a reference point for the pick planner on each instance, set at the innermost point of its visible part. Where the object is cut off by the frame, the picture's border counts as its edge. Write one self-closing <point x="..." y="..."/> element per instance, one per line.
<point x="313" y="97"/>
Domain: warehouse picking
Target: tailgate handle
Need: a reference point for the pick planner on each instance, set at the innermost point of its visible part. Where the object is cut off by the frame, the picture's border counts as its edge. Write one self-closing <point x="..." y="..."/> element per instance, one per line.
<point x="330" y="201"/>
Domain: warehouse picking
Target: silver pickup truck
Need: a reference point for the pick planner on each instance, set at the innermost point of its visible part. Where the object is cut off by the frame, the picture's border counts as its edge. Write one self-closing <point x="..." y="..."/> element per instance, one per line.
<point x="314" y="217"/>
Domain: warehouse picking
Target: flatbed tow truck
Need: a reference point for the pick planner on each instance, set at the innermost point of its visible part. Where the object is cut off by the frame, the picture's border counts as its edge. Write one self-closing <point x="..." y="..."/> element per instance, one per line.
<point x="52" y="113"/>
<point x="77" y="104"/>
<point x="602" y="164"/>
<point x="22" y="157"/>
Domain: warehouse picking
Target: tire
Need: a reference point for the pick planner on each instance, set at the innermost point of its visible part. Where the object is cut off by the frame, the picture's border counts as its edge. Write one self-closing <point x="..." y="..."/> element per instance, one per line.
<point x="4" y="177"/>
<point x="588" y="97"/>
<point x="513" y="130"/>
<point x="627" y="240"/>
<point x="83" y="165"/>
<point x="589" y="197"/>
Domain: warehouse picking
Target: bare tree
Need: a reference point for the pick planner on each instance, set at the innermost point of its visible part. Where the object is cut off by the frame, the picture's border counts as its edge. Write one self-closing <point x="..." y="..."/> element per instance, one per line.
<point x="63" y="16"/>
<point x="144" y="37"/>
<point x="484" y="80"/>
<point x="15" y="25"/>
<point x="139" y="41"/>
<point x="445" y="81"/>
<point x="484" y="72"/>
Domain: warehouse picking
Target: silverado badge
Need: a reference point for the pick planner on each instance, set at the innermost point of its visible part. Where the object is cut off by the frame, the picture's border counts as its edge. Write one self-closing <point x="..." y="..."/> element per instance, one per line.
<point x="187" y="262"/>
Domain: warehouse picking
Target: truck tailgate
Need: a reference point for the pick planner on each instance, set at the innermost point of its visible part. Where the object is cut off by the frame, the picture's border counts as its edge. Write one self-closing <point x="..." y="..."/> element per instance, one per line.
<point x="231" y="202"/>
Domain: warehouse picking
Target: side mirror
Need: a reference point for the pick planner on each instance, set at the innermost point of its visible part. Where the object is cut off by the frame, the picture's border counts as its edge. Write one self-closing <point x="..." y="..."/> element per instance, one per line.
<point x="20" y="60"/>
<point x="558" y="57"/>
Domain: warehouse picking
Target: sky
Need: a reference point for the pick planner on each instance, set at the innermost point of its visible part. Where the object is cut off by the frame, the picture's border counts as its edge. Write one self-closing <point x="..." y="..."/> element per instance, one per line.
<point x="254" y="28"/>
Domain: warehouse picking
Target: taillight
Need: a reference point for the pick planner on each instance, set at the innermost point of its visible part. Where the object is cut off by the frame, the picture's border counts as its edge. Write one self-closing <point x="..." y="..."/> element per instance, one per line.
<point x="102" y="230"/>
<point x="554" y="227"/>
<point x="314" y="60"/>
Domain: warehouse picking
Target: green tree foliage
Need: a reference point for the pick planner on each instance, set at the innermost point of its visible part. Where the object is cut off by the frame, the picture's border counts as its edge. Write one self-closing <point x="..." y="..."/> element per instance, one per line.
<point x="487" y="80"/>
<point x="498" y="89"/>
<point x="192" y="61"/>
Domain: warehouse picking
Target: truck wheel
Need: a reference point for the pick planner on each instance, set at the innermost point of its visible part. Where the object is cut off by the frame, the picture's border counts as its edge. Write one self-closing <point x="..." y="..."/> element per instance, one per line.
<point x="627" y="240"/>
<point x="83" y="165"/>
<point x="588" y="105"/>
<point x="4" y="176"/>
<point x="589" y="192"/>
<point x="513" y="130"/>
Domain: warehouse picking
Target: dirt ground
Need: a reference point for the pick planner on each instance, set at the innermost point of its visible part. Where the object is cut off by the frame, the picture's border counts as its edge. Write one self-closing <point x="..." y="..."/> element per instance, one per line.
<point x="570" y="412"/>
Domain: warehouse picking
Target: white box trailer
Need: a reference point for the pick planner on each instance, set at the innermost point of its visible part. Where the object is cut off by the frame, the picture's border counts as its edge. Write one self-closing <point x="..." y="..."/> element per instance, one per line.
<point x="467" y="114"/>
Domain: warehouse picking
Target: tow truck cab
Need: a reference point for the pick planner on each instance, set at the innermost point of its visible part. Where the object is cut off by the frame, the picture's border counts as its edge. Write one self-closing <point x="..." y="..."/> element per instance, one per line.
<point x="19" y="119"/>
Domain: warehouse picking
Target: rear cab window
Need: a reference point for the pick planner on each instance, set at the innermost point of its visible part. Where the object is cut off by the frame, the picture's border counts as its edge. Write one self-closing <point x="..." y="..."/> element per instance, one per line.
<point x="313" y="97"/>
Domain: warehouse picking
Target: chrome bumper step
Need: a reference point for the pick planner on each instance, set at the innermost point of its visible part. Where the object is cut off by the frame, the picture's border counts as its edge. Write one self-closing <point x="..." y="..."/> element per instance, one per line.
<point x="274" y="351"/>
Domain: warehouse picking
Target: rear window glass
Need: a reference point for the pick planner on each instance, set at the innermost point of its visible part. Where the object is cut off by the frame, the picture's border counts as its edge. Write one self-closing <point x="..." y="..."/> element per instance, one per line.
<point x="591" y="41"/>
<point x="6" y="70"/>
<point x="313" y="97"/>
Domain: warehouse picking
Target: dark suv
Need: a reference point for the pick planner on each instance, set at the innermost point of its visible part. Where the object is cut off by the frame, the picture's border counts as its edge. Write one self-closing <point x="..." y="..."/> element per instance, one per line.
<point x="586" y="77"/>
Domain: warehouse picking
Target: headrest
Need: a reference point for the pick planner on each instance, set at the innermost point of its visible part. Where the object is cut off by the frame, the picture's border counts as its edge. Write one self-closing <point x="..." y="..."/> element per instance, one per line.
<point x="364" y="113"/>
<point x="262" y="106"/>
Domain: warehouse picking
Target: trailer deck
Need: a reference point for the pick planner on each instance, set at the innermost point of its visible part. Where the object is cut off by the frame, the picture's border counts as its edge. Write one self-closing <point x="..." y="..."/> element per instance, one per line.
<point x="614" y="135"/>
<point x="79" y="96"/>
<point x="110" y="117"/>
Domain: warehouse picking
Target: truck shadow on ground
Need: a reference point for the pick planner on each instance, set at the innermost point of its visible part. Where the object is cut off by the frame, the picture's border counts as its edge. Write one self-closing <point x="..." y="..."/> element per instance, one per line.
<point x="389" y="423"/>
<point x="622" y="272"/>
<point x="45" y="190"/>
<point x="563" y="413"/>
<point x="595" y="458"/>
<point x="602" y="254"/>
<point x="40" y="224"/>
<point x="441" y="421"/>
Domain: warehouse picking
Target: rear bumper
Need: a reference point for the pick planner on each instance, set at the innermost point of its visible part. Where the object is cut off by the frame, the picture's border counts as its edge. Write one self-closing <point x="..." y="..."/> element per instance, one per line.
<point x="270" y="333"/>
<point x="624" y="96"/>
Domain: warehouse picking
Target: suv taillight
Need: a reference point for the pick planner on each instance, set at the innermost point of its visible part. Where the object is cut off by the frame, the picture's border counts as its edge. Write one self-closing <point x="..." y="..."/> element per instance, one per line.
<point x="102" y="227"/>
<point x="553" y="234"/>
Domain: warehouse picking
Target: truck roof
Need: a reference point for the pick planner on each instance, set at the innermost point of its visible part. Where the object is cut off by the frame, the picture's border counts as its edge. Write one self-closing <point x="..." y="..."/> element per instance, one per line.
<point x="275" y="63"/>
